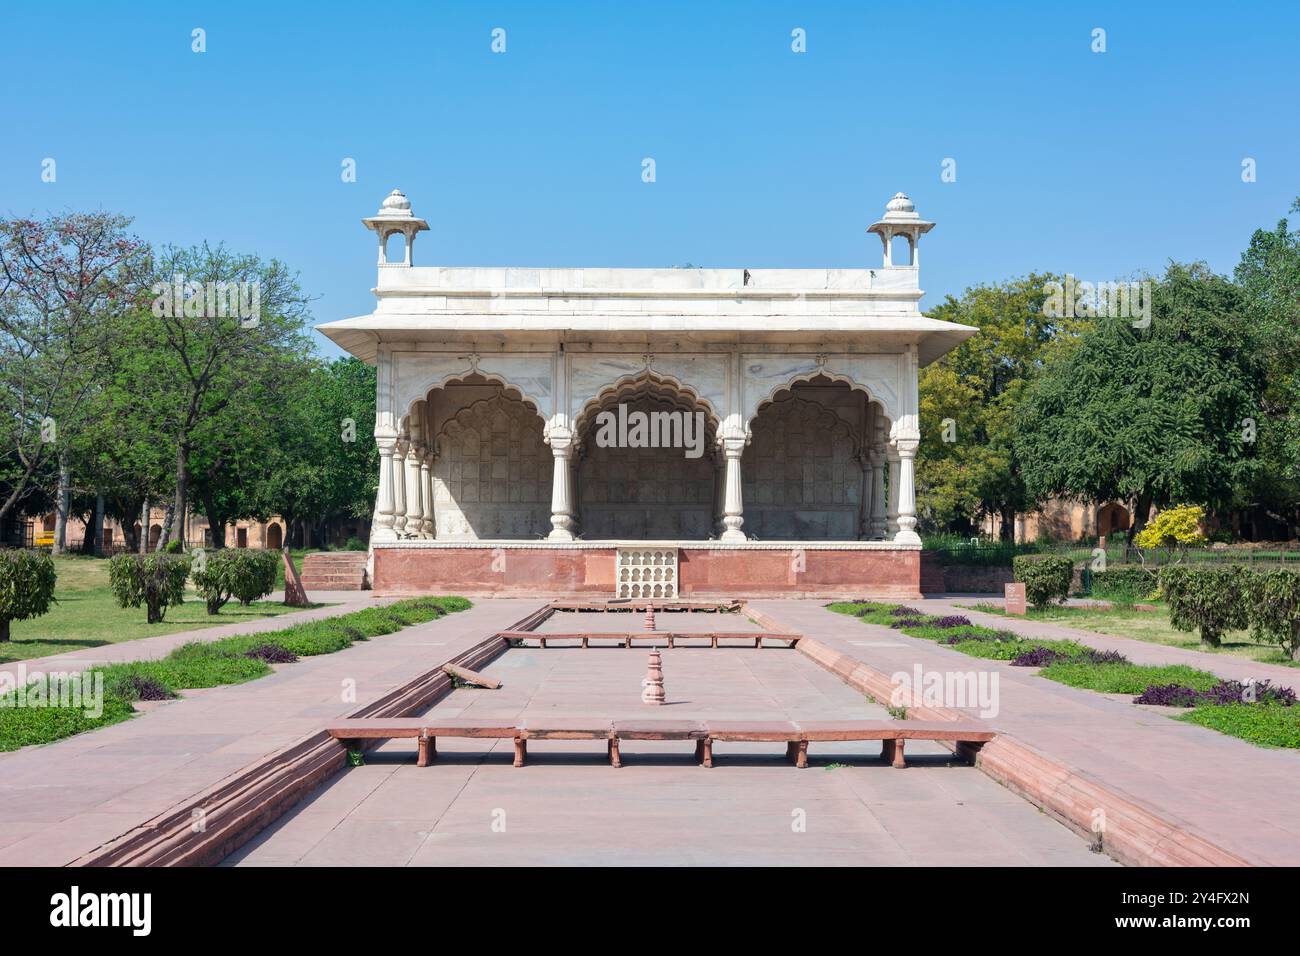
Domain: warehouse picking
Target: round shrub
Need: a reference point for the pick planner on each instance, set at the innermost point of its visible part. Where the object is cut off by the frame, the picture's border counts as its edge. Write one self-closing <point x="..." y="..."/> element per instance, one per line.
<point x="1046" y="578"/>
<point x="26" y="586"/>
<point x="252" y="574"/>
<point x="1210" y="600"/>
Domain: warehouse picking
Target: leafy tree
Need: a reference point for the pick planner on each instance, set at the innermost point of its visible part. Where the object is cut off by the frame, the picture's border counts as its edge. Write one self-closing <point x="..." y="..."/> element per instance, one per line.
<point x="323" y="463"/>
<point x="1148" y="415"/>
<point x="1177" y="527"/>
<point x="200" y="363"/>
<point x="63" y="280"/>
<point x="1269" y="277"/>
<point x="968" y="469"/>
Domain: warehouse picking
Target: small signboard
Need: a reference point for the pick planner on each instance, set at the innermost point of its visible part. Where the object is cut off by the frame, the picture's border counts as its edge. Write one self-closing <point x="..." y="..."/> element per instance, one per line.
<point x="1015" y="598"/>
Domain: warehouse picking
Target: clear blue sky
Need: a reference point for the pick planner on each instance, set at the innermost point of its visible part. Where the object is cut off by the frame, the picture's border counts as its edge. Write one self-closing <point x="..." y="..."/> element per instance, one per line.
<point x="1098" y="164"/>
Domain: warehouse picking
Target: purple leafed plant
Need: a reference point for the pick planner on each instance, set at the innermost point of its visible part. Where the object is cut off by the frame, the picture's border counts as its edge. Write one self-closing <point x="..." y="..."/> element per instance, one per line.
<point x="1224" y="692"/>
<point x="271" y="653"/>
<point x="905" y="611"/>
<point x="1038" y="657"/>
<point x="1169" y="695"/>
<point x="1235" y="692"/>
<point x="146" y="688"/>
<point x="1104" y="657"/>
<point x="909" y="622"/>
<point x="952" y="620"/>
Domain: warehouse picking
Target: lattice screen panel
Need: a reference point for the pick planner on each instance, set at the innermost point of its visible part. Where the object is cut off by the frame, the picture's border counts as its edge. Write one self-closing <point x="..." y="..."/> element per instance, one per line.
<point x="647" y="572"/>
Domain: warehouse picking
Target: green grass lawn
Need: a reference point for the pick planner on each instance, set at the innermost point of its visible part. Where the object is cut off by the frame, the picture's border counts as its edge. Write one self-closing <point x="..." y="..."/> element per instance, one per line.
<point x="87" y="615"/>
<point x="1075" y="665"/>
<point x="1150" y="626"/>
<point x="231" y="660"/>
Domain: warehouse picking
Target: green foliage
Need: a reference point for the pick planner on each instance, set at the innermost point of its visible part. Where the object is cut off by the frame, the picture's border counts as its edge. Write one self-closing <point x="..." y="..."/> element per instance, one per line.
<point x="1274" y="609"/>
<point x="1211" y="600"/>
<point x="212" y="664"/>
<point x="1125" y="678"/>
<point x="355" y="544"/>
<point x="252" y="574"/>
<point x="1177" y="527"/>
<point x="155" y="580"/>
<point x="1149" y="415"/>
<point x="1123" y="585"/>
<point x="1269" y="277"/>
<point x="1046" y="578"/>
<point x="241" y="573"/>
<point x="29" y="726"/>
<point x="977" y="386"/>
<point x="26" y="586"/>
<point x="1270" y="725"/>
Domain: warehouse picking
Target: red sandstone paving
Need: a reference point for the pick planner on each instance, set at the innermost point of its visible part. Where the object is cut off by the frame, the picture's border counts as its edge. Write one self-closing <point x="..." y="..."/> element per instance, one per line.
<point x="62" y="800"/>
<point x="567" y="806"/>
<point x="1233" y="793"/>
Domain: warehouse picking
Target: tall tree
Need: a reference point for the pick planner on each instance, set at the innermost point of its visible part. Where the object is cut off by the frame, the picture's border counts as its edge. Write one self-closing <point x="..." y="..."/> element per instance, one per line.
<point x="204" y="357"/>
<point x="63" y="282"/>
<point x="1149" y="415"/>
<point x="1269" y="277"/>
<point x="324" y="464"/>
<point x="967" y="466"/>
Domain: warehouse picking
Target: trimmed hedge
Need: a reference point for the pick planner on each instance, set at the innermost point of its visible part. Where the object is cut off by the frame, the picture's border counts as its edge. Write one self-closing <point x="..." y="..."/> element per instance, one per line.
<point x="240" y="573"/>
<point x="1122" y="585"/>
<point x="1046" y="578"/>
<point x="1211" y="600"/>
<point x="155" y="580"/>
<point x="27" y="580"/>
<point x="1274" y="609"/>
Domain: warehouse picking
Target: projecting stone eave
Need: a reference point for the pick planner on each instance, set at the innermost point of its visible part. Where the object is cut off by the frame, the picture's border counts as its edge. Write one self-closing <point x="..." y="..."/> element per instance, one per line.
<point x="885" y="332"/>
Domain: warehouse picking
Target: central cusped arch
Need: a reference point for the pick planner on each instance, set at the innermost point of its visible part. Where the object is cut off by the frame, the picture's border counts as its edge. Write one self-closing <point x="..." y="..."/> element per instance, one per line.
<point x="658" y="483"/>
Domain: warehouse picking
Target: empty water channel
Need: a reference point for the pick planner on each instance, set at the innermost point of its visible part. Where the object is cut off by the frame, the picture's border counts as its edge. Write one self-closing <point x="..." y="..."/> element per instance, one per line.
<point x="567" y="805"/>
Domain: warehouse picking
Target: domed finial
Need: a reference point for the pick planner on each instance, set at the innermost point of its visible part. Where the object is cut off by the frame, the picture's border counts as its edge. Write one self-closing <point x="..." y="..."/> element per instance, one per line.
<point x="900" y="203"/>
<point x="395" y="204"/>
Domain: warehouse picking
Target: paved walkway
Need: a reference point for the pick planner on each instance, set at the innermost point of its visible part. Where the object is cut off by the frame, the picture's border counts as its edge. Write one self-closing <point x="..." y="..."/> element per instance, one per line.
<point x="569" y="807"/>
<point x="152" y="648"/>
<point x="1236" y="794"/>
<point x="1139" y="652"/>
<point x="62" y="800"/>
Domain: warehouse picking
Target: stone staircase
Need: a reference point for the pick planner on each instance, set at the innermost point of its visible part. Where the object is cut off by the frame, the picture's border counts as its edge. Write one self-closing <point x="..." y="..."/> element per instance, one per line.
<point x="335" y="571"/>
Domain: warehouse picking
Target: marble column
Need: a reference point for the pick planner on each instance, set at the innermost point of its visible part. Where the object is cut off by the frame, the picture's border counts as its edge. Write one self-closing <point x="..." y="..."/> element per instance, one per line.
<point x="891" y="512"/>
<point x="907" y="492"/>
<point x="414" y="506"/>
<point x="562" y="487"/>
<point x="426" y="493"/>
<point x="399" y="486"/>
<point x="385" y="511"/>
<point x="879" y="519"/>
<point x="864" y="497"/>
<point x="733" y="516"/>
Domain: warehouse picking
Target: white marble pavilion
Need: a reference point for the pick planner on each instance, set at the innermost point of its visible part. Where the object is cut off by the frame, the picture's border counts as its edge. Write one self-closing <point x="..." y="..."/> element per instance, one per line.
<point x="491" y="379"/>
